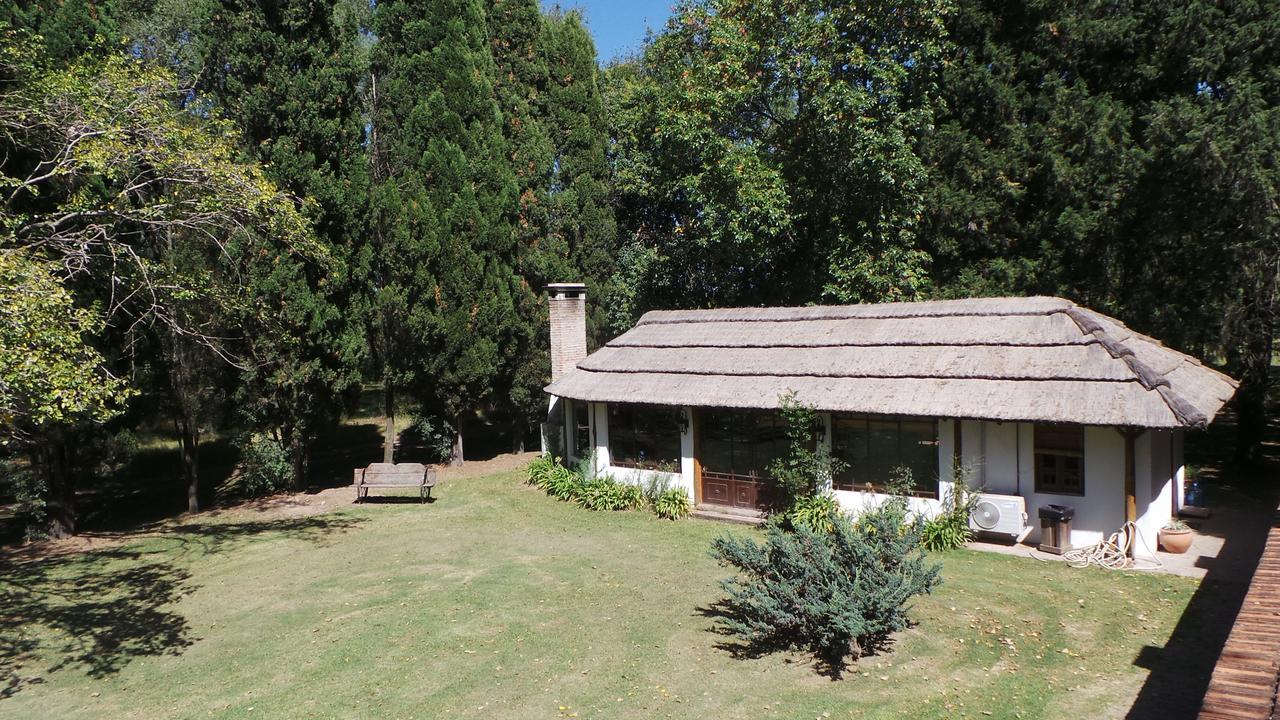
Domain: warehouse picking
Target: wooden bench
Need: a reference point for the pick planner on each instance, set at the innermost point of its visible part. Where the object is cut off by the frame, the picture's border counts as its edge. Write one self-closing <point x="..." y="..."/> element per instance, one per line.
<point x="395" y="475"/>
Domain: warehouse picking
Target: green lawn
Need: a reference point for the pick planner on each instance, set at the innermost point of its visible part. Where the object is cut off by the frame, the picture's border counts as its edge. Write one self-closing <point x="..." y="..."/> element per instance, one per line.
<point x="497" y="601"/>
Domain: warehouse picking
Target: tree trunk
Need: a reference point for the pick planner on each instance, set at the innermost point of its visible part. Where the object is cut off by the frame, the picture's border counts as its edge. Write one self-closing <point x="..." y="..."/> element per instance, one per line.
<point x="191" y="463"/>
<point x="1251" y="416"/>
<point x="389" y="435"/>
<point x="298" y="454"/>
<point x="517" y="437"/>
<point x="60" y="489"/>
<point x="1251" y="360"/>
<point x="455" y="457"/>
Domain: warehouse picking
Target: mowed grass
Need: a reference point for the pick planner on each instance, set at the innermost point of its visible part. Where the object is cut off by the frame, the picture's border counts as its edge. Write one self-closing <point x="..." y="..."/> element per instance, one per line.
<point x="499" y="602"/>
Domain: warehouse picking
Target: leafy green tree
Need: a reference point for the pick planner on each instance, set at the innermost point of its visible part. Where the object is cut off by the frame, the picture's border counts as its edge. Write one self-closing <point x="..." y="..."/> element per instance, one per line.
<point x="108" y="181"/>
<point x="778" y="142"/>
<point x="443" y="202"/>
<point x="51" y="374"/>
<point x="1123" y="157"/>
<point x="52" y="379"/>
<point x="68" y="28"/>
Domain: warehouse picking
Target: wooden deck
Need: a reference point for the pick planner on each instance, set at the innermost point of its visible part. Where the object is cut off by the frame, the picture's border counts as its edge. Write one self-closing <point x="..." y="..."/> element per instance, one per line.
<point x="1244" y="682"/>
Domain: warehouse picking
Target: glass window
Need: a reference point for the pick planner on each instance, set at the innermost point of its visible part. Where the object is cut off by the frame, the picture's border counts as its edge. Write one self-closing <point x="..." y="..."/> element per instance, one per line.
<point x="741" y="442"/>
<point x="644" y="436"/>
<point x="1060" y="459"/>
<point x="918" y="448"/>
<point x="715" y="450"/>
<point x="872" y="448"/>
<point x="581" y="430"/>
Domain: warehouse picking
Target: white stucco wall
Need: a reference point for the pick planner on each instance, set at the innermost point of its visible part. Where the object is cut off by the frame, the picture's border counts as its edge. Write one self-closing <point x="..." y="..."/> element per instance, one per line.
<point x="1001" y="460"/>
<point x="1179" y="465"/>
<point x="1156" y="486"/>
<point x="600" y="435"/>
<point x="1100" y="511"/>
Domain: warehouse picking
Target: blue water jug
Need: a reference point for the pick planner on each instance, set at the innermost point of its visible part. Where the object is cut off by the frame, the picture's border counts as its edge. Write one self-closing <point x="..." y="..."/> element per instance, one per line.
<point x="1193" y="494"/>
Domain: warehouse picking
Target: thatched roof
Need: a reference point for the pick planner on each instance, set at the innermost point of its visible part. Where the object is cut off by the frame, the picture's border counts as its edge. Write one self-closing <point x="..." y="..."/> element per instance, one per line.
<point x="1030" y="359"/>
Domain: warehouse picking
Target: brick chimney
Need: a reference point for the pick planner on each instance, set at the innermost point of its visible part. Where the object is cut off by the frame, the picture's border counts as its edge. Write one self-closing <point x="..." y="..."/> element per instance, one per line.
<point x="568" y="326"/>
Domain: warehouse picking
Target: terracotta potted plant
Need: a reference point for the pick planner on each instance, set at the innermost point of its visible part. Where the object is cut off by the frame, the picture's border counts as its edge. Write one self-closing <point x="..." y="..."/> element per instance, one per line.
<point x="1176" y="537"/>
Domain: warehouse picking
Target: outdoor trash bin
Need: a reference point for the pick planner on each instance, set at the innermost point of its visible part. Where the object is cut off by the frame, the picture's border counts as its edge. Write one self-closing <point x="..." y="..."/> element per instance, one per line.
<point x="1055" y="528"/>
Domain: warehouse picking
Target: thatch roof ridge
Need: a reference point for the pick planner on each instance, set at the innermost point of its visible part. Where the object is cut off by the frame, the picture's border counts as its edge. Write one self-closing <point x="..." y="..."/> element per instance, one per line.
<point x="975" y="307"/>
<point x="1019" y="351"/>
<point x="1184" y="409"/>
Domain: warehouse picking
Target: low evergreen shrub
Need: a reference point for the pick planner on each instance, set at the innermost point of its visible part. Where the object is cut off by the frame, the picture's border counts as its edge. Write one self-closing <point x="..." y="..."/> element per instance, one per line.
<point x="839" y="595"/>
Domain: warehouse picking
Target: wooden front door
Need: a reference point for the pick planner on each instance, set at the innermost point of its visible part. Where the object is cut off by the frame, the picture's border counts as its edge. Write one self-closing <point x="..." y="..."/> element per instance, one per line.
<point x="733" y="490"/>
<point x="733" y="451"/>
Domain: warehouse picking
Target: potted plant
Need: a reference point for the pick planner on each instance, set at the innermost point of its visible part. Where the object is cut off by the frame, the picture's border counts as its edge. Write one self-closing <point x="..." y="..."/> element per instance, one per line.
<point x="1176" y="537"/>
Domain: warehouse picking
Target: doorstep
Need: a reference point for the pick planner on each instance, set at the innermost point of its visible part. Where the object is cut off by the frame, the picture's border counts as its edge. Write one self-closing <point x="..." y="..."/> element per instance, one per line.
<point x="721" y="513"/>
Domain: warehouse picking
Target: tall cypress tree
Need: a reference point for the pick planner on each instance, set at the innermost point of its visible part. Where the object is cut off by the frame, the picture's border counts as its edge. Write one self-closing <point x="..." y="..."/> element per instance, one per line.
<point x="289" y="76"/>
<point x="582" y="221"/>
<point x="442" y="206"/>
<point x="518" y="39"/>
<point x="552" y="106"/>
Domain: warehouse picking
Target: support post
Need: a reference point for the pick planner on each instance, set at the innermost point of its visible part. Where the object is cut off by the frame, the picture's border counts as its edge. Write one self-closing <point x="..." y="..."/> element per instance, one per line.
<point x="1130" y="473"/>
<point x="1130" y="434"/>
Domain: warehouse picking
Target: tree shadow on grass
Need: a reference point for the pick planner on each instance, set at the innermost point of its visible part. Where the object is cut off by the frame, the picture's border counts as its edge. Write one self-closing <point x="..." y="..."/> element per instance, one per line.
<point x="96" y="611"/>
<point x="739" y="647"/>
<point x="1245" y="496"/>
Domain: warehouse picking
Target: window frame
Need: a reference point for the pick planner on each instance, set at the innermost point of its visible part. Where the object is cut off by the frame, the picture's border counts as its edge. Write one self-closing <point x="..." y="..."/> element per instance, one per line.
<point x="579" y="431"/>
<point x="1040" y="449"/>
<point x="671" y="465"/>
<point x="745" y="429"/>
<point x="929" y="488"/>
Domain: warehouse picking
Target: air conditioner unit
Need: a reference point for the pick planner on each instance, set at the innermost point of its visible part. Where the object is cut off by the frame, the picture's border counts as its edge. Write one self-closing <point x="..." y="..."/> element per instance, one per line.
<point x="1000" y="515"/>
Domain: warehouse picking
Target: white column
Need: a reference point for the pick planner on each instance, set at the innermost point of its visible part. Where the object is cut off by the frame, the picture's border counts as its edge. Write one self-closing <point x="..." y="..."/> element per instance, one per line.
<point x="600" y="433"/>
<point x="687" y="473"/>
<point x="825" y="443"/>
<point x="946" y="457"/>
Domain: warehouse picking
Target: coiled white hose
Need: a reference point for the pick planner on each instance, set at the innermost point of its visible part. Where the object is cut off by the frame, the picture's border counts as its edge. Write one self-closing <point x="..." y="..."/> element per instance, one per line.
<point x="1114" y="552"/>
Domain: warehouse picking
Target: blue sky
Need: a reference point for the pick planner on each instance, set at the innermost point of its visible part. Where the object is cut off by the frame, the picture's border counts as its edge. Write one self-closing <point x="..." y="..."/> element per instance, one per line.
<point x="619" y="25"/>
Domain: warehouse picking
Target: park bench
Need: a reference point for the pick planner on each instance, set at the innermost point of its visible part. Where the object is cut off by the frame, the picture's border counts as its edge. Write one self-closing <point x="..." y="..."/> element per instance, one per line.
<point x="395" y="475"/>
